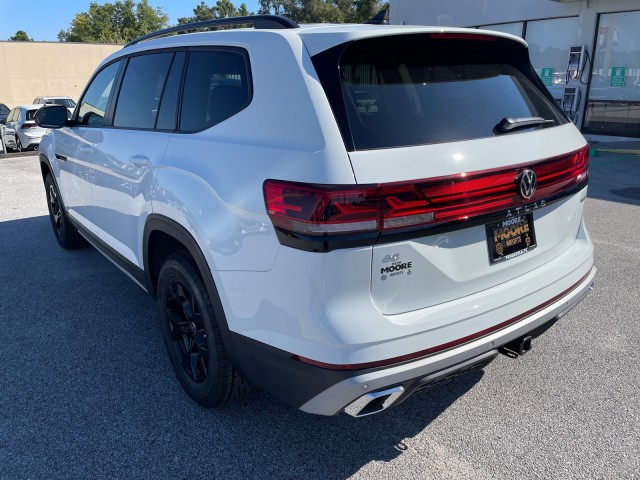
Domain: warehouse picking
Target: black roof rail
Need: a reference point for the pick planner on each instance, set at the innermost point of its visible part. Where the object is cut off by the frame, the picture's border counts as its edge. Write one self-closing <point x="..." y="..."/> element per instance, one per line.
<point x="259" y="22"/>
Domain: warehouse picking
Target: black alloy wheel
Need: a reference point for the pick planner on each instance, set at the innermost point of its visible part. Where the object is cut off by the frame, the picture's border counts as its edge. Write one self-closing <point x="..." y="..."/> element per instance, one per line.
<point x="188" y="333"/>
<point x="66" y="234"/>
<point x="192" y="336"/>
<point x="55" y="210"/>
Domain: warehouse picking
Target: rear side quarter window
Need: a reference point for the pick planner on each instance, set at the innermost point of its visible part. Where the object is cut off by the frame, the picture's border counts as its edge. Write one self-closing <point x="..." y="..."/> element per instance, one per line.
<point x="217" y="85"/>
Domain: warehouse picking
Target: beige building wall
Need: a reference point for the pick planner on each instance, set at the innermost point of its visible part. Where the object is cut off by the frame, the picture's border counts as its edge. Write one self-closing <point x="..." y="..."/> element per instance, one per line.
<point x="32" y="69"/>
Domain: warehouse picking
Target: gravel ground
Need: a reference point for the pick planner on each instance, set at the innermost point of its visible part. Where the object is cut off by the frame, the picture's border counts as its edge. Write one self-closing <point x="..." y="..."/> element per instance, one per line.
<point x="86" y="390"/>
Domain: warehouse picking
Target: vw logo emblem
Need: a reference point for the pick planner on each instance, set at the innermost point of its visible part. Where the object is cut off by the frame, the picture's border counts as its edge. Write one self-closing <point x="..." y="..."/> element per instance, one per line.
<point x="527" y="183"/>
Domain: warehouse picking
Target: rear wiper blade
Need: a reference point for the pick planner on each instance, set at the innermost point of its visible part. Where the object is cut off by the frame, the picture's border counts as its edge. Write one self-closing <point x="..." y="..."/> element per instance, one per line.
<point x="509" y="124"/>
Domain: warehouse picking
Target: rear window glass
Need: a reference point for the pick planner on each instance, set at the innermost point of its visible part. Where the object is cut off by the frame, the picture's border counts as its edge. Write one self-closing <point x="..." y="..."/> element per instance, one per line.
<point x="414" y="90"/>
<point x="30" y="114"/>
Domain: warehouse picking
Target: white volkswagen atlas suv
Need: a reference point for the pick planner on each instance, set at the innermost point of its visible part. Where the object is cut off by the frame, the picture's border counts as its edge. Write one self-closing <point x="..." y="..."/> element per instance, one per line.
<point x="341" y="215"/>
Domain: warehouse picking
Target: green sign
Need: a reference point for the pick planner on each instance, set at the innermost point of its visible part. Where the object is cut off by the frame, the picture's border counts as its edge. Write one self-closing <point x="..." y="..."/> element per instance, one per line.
<point x="618" y="75"/>
<point x="547" y="76"/>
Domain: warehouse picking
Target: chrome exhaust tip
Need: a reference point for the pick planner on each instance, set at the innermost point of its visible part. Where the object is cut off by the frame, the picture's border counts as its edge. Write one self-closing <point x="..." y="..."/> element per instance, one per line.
<point x="374" y="402"/>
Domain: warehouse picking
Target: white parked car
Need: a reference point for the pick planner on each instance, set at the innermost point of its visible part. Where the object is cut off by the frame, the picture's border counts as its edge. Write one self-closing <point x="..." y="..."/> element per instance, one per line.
<point x="49" y="100"/>
<point x="340" y="214"/>
<point x="20" y="131"/>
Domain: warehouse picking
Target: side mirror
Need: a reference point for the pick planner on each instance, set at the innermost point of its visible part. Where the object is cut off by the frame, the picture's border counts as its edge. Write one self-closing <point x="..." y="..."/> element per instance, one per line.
<point x="51" y="116"/>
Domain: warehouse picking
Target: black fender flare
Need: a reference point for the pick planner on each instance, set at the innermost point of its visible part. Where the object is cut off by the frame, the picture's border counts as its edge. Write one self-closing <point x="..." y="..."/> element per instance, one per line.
<point x="155" y="223"/>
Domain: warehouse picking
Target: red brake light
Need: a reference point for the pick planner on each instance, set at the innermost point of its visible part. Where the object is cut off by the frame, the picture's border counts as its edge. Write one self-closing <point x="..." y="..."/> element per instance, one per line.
<point x="404" y="206"/>
<point x="479" y="37"/>
<point x="27" y="125"/>
<point x="330" y="210"/>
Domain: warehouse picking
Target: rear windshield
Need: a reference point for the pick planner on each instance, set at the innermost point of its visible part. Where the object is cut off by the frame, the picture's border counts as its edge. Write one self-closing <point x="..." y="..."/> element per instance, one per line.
<point x="416" y="90"/>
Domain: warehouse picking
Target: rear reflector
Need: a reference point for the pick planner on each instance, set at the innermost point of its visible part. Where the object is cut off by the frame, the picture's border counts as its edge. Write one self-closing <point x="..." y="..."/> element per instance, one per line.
<point x="331" y="210"/>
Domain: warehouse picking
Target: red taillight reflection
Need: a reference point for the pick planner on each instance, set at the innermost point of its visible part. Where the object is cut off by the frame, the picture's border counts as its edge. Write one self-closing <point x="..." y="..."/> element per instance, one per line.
<point x="337" y="210"/>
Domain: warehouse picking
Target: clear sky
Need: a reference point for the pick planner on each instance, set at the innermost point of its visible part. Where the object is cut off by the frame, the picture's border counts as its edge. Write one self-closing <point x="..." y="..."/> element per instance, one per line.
<point x="43" y="19"/>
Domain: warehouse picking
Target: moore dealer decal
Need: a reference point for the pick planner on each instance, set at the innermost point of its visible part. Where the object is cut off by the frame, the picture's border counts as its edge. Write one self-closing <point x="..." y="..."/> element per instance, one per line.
<point x="396" y="268"/>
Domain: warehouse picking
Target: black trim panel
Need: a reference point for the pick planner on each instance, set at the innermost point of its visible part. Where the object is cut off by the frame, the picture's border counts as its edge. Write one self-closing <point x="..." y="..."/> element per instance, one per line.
<point x="275" y="371"/>
<point x="279" y="373"/>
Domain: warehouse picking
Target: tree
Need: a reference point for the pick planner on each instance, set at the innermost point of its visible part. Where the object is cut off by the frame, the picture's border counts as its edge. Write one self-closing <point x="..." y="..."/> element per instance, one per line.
<point x="117" y="22"/>
<point x="20" y="36"/>
<point x="318" y="11"/>
<point x="222" y="9"/>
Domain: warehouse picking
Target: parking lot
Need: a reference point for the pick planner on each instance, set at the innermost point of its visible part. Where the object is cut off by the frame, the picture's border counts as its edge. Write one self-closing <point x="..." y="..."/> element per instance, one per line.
<point x="86" y="389"/>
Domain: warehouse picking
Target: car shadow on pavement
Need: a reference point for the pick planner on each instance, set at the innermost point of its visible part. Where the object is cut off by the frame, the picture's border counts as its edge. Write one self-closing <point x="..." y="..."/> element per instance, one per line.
<point x="87" y="389"/>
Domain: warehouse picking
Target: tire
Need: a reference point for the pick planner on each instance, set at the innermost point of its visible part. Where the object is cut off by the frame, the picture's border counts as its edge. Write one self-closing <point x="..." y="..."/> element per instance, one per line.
<point x="192" y="336"/>
<point x="66" y="234"/>
<point x="18" y="144"/>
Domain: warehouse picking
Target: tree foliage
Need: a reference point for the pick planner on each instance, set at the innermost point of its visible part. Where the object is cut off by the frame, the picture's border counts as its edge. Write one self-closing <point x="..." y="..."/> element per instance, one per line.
<point x="319" y="11"/>
<point x="20" y="36"/>
<point x="117" y="22"/>
<point x="222" y="9"/>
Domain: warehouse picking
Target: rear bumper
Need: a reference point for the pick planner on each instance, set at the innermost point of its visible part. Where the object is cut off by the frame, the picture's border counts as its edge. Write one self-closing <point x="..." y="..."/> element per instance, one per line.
<point x="327" y="391"/>
<point x="29" y="140"/>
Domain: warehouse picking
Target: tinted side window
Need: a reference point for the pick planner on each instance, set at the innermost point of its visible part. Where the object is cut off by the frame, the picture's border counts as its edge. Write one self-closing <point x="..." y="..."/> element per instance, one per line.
<point x="141" y="90"/>
<point x="94" y="102"/>
<point x="216" y="87"/>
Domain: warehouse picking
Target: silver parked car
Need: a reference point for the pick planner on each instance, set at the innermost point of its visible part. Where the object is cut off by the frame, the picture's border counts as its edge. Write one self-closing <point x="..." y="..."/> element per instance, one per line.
<point x="53" y="100"/>
<point x="21" y="132"/>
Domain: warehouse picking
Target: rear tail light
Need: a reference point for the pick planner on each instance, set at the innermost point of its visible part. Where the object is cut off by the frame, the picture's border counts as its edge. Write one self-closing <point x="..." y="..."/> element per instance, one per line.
<point x="322" y="210"/>
<point x="27" y="125"/>
<point x="309" y="211"/>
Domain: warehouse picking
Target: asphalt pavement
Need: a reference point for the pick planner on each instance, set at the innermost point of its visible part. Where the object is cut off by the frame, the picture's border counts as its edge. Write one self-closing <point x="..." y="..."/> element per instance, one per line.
<point x="86" y="389"/>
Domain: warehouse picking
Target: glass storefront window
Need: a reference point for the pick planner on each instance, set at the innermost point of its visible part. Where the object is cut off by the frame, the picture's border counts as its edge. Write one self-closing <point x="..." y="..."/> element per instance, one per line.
<point x="614" y="93"/>
<point x="512" y="28"/>
<point x="549" y="42"/>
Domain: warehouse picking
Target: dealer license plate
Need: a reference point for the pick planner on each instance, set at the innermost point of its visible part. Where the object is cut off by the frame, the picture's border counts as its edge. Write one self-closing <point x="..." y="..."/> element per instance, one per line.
<point x="510" y="238"/>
